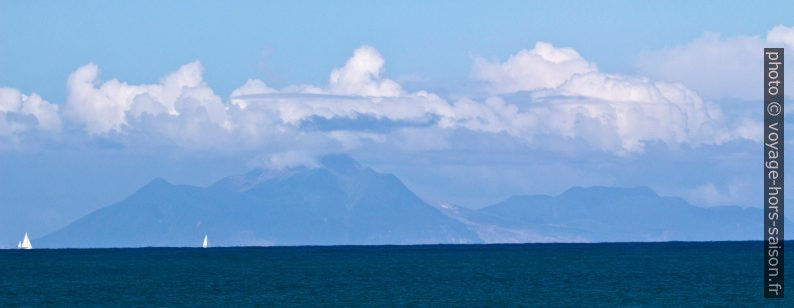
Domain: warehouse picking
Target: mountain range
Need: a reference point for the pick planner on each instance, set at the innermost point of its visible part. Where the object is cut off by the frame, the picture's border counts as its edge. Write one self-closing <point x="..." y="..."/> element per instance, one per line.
<point x="341" y="202"/>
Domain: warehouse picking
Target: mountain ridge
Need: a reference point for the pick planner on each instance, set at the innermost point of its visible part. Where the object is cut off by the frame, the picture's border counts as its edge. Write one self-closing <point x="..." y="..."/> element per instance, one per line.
<point x="337" y="203"/>
<point x="341" y="202"/>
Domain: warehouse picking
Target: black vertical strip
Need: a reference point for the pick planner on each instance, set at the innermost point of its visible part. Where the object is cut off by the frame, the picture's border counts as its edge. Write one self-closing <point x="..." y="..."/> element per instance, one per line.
<point x="773" y="172"/>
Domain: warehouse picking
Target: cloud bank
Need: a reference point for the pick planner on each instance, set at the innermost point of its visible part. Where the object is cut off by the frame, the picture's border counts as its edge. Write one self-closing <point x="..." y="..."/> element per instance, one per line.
<point x="544" y="93"/>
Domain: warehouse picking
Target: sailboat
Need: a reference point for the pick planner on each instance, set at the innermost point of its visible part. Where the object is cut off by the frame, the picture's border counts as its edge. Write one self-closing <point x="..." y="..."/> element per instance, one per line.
<point x="25" y="244"/>
<point x="205" y="244"/>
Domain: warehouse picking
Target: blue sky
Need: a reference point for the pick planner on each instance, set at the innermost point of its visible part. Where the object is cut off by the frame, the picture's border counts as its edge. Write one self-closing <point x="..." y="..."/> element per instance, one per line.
<point x="299" y="42"/>
<point x="466" y="102"/>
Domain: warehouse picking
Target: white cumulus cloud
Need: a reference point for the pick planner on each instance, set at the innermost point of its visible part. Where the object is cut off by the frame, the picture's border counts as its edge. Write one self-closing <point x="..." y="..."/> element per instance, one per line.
<point x="573" y="99"/>
<point x="361" y="76"/>
<point x="111" y="105"/>
<point x="781" y="34"/>
<point x="21" y="112"/>
<point x="717" y="67"/>
<point x="544" y="66"/>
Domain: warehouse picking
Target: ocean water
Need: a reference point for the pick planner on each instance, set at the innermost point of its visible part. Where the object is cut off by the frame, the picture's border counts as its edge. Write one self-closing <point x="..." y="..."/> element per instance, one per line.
<point x="625" y="274"/>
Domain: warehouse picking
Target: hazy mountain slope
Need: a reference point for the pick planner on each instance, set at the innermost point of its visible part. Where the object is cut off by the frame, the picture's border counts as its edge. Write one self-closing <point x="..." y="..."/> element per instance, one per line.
<point x="355" y="205"/>
<point x="629" y="214"/>
<point x="339" y="202"/>
<point x="159" y="214"/>
<point x="342" y="202"/>
<point x="496" y="229"/>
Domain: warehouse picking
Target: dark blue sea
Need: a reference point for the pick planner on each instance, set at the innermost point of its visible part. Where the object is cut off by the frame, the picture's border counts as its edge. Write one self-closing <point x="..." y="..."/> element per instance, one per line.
<point x="625" y="274"/>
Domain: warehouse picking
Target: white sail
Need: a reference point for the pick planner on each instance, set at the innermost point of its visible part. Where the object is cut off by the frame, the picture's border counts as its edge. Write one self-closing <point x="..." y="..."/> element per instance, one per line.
<point x="205" y="244"/>
<point x="19" y="244"/>
<point x="26" y="242"/>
